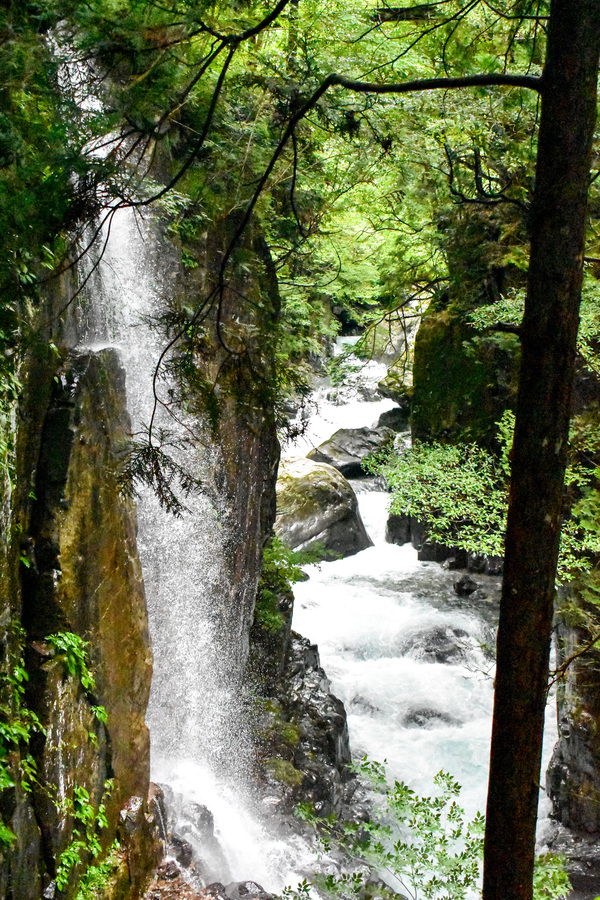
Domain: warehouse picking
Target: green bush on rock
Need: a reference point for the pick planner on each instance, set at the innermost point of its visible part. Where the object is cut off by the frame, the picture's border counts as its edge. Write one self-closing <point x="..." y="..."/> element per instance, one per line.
<point x="421" y="847"/>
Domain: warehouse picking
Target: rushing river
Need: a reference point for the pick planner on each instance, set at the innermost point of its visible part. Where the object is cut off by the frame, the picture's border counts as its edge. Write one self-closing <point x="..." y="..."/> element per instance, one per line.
<point x="406" y="655"/>
<point x="410" y="658"/>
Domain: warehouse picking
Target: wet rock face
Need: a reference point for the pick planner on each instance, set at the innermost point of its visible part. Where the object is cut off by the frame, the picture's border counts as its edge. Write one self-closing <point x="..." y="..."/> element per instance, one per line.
<point x="573" y="776"/>
<point x="190" y="847"/>
<point x="397" y="418"/>
<point x="84" y="578"/>
<point x="348" y="448"/>
<point x="317" y="509"/>
<point x="305" y="749"/>
<point x="403" y="529"/>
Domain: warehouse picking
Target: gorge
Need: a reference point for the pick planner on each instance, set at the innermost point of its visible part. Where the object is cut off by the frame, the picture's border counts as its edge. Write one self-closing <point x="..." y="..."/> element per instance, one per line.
<point x="206" y="612"/>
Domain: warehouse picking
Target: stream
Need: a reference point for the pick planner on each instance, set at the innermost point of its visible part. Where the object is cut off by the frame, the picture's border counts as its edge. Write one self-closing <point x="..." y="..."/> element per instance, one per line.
<point x="411" y="660"/>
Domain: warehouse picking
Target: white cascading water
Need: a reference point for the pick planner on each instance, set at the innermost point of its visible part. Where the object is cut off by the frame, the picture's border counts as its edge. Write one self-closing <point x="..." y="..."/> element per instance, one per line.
<point x="385" y="621"/>
<point x="199" y="742"/>
<point x="372" y="615"/>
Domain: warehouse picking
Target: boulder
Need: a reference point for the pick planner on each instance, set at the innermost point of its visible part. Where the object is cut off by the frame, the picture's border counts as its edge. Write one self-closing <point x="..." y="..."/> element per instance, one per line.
<point x="480" y="564"/>
<point x="425" y="717"/>
<point x="439" y="644"/>
<point x="347" y="449"/>
<point x="397" y="385"/>
<point x="465" y="586"/>
<point x="318" y="510"/>
<point x="397" y="418"/>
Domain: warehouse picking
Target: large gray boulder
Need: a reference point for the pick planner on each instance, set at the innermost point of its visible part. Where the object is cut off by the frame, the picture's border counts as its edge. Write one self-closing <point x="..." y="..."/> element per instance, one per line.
<point x="347" y="449"/>
<point x="318" y="510"/>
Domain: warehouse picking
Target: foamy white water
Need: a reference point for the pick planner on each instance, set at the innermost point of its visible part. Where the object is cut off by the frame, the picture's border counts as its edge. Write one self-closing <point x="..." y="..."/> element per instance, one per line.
<point x="200" y="745"/>
<point x="383" y="621"/>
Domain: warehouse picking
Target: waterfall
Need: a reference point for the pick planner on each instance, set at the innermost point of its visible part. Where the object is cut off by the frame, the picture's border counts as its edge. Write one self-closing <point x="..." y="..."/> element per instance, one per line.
<point x="199" y="739"/>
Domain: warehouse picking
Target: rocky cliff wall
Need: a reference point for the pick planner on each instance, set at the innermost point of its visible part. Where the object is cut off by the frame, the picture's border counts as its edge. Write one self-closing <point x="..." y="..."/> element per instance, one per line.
<point x="69" y="574"/>
<point x="573" y="776"/>
<point x="227" y="377"/>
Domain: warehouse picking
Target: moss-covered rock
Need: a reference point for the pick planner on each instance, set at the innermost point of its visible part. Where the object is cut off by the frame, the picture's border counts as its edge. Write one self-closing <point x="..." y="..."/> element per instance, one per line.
<point x="397" y="385"/>
<point x="317" y="510"/>
<point x="463" y="381"/>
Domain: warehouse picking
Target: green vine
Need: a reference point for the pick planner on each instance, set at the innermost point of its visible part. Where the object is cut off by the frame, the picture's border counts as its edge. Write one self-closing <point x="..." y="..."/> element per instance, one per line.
<point x="73" y="651"/>
<point x="88" y="824"/>
<point x="17" y="726"/>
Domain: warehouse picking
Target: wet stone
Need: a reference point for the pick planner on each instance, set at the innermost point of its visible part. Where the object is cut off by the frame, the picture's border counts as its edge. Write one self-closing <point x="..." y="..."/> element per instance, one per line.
<point x="465" y="586"/>
<point x="247" y="890"/>
<point x="182" y="850"/>
<point x="168" y="869"/>
<point x="440" y="644"/>
<point x="425" y="717"/>
<point x="200" y="817"/>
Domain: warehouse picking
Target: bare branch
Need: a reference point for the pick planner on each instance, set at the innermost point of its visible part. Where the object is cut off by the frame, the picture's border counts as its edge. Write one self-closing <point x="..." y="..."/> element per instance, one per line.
<point x="531" y="82"/>
<point x="562" y="669"/>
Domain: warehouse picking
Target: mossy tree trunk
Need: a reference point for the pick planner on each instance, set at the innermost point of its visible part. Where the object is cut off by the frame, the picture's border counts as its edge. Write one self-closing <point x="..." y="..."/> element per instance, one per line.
<point x="549" y="336"/>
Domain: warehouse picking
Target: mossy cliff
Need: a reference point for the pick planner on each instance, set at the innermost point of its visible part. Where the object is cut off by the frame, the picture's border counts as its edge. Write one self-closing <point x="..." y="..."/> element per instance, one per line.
<point x="73" y="713"/>
<point x="464" y="379"/>
<point x="84" y="577"/>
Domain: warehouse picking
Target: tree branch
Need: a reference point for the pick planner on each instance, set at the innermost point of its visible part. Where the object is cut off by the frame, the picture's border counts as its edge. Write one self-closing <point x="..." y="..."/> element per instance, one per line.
<point x="531" y="82"/>
<point x="561" y="670"/>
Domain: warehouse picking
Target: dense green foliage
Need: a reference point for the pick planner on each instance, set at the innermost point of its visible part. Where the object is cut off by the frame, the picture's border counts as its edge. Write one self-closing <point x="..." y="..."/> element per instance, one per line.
<point x="421" y="847"/>
<point x="280" y="571"/>
<point x="204" y="92"/>
<point x="461" y="492"/>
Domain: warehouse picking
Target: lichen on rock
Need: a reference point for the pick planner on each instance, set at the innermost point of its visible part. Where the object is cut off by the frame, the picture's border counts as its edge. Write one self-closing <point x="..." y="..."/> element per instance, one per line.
<point x="317" y="510"/>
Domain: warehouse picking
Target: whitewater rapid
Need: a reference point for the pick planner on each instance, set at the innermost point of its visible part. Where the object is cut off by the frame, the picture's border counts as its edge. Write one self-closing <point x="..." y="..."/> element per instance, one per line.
<point x="411" y="660"/>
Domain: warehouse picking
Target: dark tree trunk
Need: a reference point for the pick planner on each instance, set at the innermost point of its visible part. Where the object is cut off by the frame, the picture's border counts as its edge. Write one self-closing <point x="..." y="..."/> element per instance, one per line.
<point x="549" y="336"/>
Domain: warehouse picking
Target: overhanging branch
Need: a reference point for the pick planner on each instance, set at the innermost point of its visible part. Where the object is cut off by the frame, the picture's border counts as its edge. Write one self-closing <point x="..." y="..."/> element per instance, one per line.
<point x="531" y="82"/>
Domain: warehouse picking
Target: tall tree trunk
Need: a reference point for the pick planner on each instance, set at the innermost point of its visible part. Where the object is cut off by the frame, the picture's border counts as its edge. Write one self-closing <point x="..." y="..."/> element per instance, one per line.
<point x="549" y="334"/>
